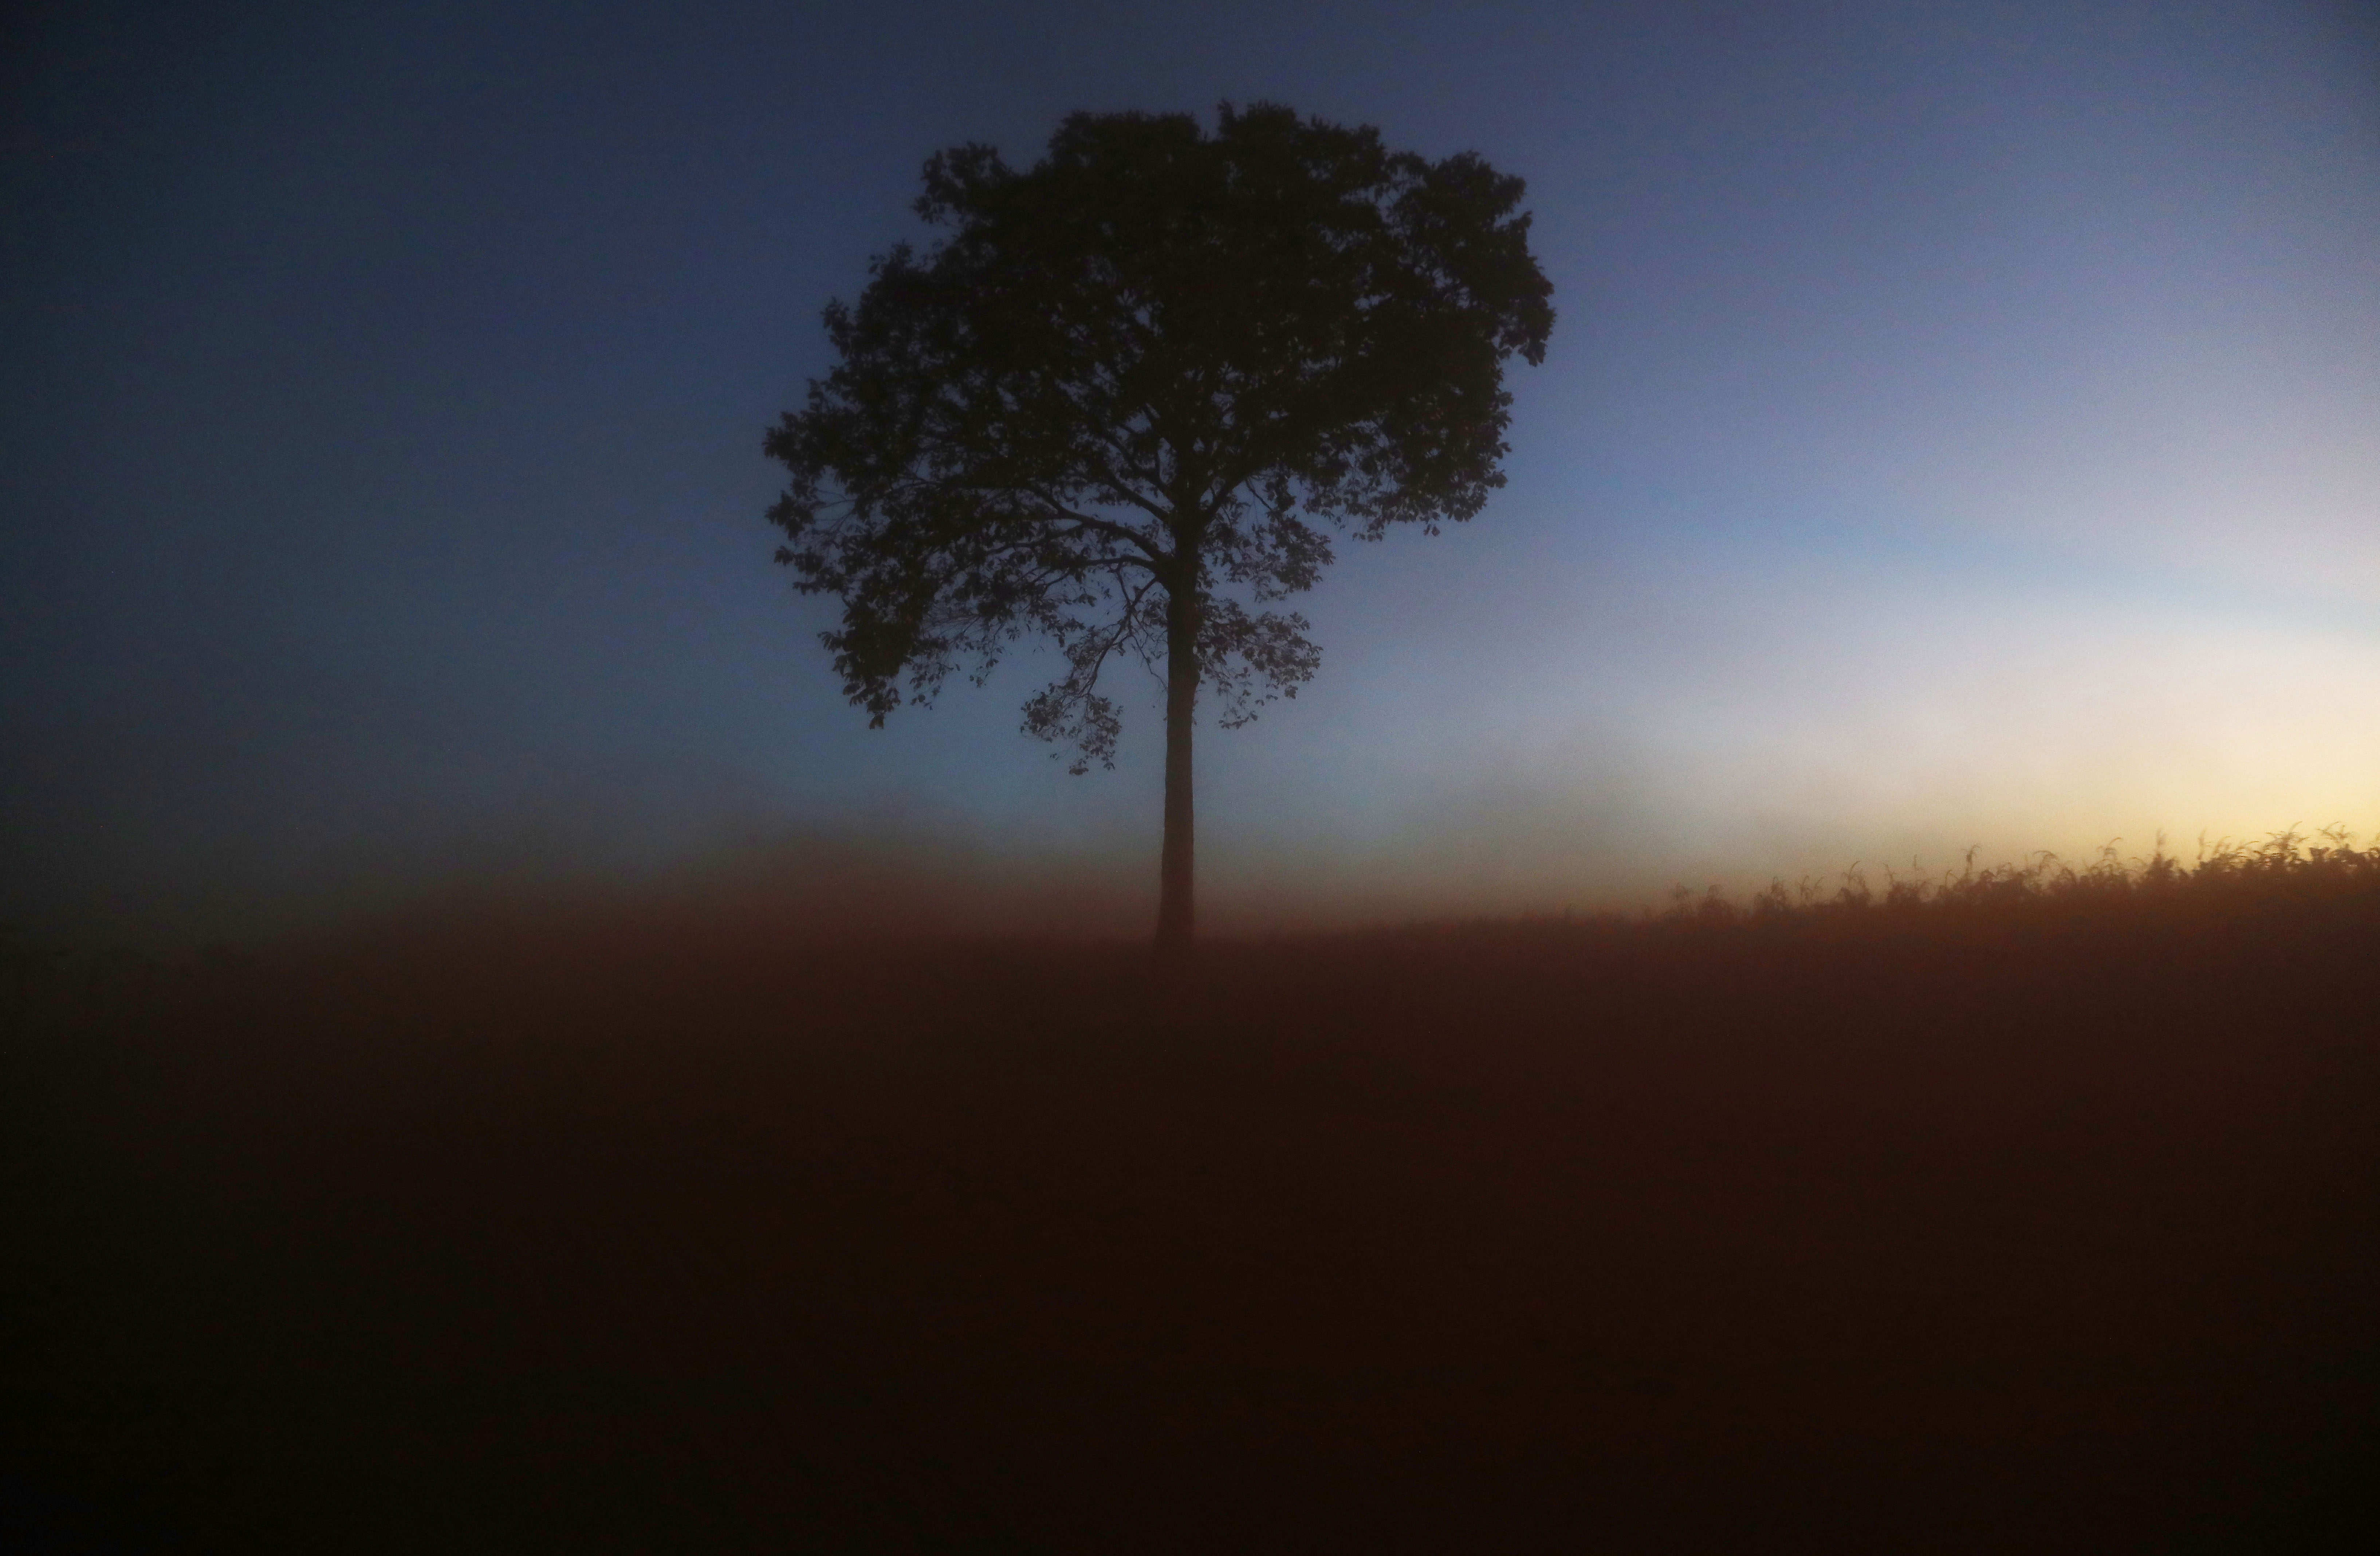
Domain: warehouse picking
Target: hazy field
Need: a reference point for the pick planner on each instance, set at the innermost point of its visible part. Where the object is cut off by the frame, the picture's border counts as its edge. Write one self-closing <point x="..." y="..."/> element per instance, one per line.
<point x="2039" y="1214"/>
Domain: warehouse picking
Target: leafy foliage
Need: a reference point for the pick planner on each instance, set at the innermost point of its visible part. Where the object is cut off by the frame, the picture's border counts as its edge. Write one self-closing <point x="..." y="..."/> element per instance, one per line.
<point x="1157" y="364"/>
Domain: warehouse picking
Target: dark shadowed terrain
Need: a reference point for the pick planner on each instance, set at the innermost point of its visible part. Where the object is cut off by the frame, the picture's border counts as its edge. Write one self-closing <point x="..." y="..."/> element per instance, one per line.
<point x="2027" y="1220"/>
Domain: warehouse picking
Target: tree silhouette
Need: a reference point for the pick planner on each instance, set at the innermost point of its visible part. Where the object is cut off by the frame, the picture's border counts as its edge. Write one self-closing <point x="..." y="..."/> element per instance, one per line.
<point x="1139" y="374"/>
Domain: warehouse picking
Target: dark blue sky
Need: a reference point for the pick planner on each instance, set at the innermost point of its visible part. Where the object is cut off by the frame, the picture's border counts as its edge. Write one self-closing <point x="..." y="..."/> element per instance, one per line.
<point x="1963" y="426"/>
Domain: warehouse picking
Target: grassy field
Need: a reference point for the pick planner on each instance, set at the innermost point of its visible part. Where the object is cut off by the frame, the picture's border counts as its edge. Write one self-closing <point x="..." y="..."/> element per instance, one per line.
<point x="2029" y="1210"/>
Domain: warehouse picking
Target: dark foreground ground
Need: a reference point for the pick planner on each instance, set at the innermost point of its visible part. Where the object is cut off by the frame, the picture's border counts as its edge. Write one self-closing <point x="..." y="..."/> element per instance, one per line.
<point x="1854" y="1231"/>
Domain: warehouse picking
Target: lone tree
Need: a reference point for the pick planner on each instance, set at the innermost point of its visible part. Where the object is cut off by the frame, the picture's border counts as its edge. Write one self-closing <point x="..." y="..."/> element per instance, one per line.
<point x="1155" y="365"/>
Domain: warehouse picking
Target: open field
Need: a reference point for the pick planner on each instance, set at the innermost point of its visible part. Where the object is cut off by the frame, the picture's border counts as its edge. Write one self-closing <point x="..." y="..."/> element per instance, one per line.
<point x="2031" y="1216"/>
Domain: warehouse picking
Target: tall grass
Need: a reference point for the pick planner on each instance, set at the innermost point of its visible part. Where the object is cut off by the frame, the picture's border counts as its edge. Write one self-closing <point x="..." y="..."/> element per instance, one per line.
<point x="2289" y="868"/>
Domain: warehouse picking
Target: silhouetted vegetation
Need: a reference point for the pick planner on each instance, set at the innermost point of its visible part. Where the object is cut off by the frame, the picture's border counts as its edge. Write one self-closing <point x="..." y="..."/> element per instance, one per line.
<point x="1138" y="376"/>
<point x="2035" y="1208"/>
<point x="2228" y="876"/>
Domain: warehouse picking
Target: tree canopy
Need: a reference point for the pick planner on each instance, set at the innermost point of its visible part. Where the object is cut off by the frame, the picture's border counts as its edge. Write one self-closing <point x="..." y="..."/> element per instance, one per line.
<point x="1126" y="400"/>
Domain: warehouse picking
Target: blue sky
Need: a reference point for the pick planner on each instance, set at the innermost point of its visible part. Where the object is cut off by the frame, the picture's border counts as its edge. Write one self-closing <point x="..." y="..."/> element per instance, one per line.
<point x="1963" y="427"/>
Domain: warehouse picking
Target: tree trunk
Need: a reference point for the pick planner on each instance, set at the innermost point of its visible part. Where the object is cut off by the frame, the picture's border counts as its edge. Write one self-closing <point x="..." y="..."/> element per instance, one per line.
<point x="1177" y="865"/>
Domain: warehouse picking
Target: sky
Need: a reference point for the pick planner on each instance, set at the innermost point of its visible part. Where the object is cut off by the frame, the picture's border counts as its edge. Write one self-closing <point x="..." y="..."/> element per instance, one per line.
<point x="1962" y="429"/>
